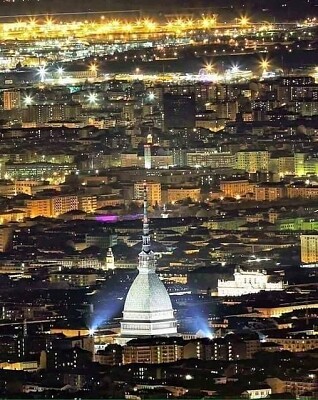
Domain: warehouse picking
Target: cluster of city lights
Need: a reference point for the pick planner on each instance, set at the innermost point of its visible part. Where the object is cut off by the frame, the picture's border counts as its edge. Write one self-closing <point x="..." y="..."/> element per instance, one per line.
<point x="210" y="72"/>
<point x="49" y="27"/>
<point x="48" y="75"/>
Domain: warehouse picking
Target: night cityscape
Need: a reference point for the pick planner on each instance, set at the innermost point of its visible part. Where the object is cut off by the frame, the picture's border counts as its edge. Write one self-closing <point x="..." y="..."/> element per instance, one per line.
<point x="159" y="199"/>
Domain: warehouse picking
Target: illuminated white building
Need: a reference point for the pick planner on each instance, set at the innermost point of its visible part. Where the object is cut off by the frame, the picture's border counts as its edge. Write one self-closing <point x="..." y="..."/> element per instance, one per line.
<point x="147" y="310"/>
<point x="246" y="282"/>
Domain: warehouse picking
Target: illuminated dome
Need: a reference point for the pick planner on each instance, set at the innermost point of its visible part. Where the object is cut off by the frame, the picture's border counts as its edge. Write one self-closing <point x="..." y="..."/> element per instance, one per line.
<point x="154" y="295"/>
<point x="147" y="310"/>
<point x="148" y="300"/>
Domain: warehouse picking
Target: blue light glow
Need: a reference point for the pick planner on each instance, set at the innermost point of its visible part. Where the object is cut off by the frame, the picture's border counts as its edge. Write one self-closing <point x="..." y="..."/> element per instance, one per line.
<point x="195" y="320"/>
<point x="104" y="313"/>
<point x="202" y="328"/>
<point x="107" y="304"/>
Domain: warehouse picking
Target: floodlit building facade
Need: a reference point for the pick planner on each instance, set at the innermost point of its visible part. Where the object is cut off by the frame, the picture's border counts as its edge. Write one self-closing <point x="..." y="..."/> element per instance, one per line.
<point x="153" y="192"/>
<point x="246" y="282"/>
<point x="309" y="249"/>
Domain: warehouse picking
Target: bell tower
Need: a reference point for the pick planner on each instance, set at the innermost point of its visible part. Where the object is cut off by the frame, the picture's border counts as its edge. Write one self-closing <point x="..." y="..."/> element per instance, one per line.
<point x="110" y="260"/>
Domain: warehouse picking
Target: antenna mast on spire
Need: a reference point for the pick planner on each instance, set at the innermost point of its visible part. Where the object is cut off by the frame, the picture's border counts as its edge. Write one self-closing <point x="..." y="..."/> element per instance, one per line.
<point x="145" y="202"/>
<point x="145" y="230"/>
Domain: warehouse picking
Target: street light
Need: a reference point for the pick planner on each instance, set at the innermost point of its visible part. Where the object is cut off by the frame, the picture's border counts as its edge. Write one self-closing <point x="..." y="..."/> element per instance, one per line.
<point x="128" y="28"/>
<point x="32" y="22"/>
<point x="209" y="68"/>
<point x="151" y="96"/>
<point x="49" y="22"/>
<point x="264" y="65"/>
<point x="28" y="100"/>
<point x="150" y="25"/>
<point x="208" y="22"/>
<point x="235" y="68"/>
<point x="42" y="71"/>
<point x="92" y="98"/>
<point x="243" y="21"/>
<point x="93" y="68"/>
<point x="60" y="71"/>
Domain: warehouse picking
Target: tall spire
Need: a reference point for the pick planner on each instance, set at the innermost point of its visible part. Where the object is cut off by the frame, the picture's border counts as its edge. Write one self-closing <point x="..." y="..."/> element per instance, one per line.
<point x="145" y="230"/>
<point x="147" y="310"/>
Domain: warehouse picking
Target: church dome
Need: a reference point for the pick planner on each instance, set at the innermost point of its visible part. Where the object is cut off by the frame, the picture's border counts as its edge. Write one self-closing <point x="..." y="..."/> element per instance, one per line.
<point x="147" y="294"/>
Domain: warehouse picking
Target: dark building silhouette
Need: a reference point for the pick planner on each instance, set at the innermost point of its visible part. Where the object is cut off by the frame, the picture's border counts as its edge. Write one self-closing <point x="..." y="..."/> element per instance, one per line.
<point x="179" y="111"/>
